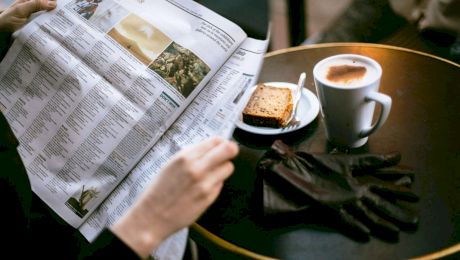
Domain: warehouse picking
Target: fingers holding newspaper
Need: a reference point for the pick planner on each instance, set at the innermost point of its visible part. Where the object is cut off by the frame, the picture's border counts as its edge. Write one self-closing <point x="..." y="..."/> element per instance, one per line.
<point x="186" y="186"/>
<point x="16" y="15"/>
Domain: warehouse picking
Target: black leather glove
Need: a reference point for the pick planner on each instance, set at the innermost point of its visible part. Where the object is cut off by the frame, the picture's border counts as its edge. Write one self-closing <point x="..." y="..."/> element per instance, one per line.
<point x="362" y="191"/>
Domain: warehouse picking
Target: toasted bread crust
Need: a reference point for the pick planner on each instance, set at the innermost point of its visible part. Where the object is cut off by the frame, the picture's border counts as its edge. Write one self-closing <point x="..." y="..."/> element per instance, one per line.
<point x="268" y="106"/>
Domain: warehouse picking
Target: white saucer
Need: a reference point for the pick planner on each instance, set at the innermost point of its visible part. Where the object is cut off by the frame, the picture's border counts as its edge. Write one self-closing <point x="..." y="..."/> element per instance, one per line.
<point x="308" y="109"/>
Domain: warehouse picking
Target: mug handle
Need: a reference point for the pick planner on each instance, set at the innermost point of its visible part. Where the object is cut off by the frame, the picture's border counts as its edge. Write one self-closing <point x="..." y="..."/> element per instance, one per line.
<point x="385" y="101"/>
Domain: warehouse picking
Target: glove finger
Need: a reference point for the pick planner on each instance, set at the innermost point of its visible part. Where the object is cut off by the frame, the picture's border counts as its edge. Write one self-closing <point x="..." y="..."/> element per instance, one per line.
<point x="396" y="192"/>
<point x="353" y="227"/>
<point x="397" y="178"/>
<point x="392" y="174"/>
<point x="374" y="161"/>
<point x="378" y="225"/>
<point x="390" y="210"/>
<point x="387" y="189"/>
<point x="357" y="162"/>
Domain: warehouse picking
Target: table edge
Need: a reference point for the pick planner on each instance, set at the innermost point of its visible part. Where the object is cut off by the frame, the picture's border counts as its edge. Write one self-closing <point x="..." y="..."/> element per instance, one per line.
<point x="229" y="246"/>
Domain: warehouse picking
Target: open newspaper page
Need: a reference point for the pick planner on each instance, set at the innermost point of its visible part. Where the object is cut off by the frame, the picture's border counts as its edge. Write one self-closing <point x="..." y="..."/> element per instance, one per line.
<point x="90" y="87"/>
<point x="213" y="112"/>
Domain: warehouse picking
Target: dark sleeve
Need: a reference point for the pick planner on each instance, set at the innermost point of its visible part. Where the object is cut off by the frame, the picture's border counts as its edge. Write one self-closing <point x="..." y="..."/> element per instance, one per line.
<point x="15" y="191"/>
<point x="5" y="41"/>
<point x="108" y="245"/>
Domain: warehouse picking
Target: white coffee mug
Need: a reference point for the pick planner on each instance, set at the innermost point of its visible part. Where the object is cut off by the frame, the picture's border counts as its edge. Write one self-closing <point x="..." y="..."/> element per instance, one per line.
<point x="347" y="86"/>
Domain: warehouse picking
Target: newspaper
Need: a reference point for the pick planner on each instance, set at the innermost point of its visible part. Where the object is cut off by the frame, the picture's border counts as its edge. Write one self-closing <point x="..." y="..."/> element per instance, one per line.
<point x="101" y="93"/>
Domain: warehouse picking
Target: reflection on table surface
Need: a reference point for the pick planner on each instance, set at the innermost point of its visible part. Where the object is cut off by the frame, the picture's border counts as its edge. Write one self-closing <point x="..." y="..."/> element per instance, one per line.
<point x="423" y="126"/>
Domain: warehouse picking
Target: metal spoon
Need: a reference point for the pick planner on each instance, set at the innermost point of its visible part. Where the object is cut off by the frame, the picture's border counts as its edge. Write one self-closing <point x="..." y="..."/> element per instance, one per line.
<point x="295" y="120"/>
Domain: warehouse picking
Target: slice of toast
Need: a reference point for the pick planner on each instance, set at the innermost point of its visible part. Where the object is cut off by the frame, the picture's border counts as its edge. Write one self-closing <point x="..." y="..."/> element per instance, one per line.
<point x="269" y="107"/>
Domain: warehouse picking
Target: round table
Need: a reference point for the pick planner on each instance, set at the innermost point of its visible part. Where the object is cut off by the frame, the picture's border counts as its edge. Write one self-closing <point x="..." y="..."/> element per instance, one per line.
<point x="424" y="125"/>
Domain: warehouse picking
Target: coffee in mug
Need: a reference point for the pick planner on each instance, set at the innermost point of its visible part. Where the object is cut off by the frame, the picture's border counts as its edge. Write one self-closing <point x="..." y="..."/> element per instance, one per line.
<point x="347" y="87"/>
<point x="347" y="72"/>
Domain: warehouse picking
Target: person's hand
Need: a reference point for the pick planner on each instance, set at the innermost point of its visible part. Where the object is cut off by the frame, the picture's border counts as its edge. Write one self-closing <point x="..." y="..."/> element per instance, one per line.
<point x="360" y="190"/>
<point x="17" y="14"/>
<point x="186" y="186"/>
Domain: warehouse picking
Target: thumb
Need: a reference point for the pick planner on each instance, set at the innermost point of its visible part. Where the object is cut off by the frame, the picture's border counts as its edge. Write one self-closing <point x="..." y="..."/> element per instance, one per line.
<point x="26" y="8"/>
